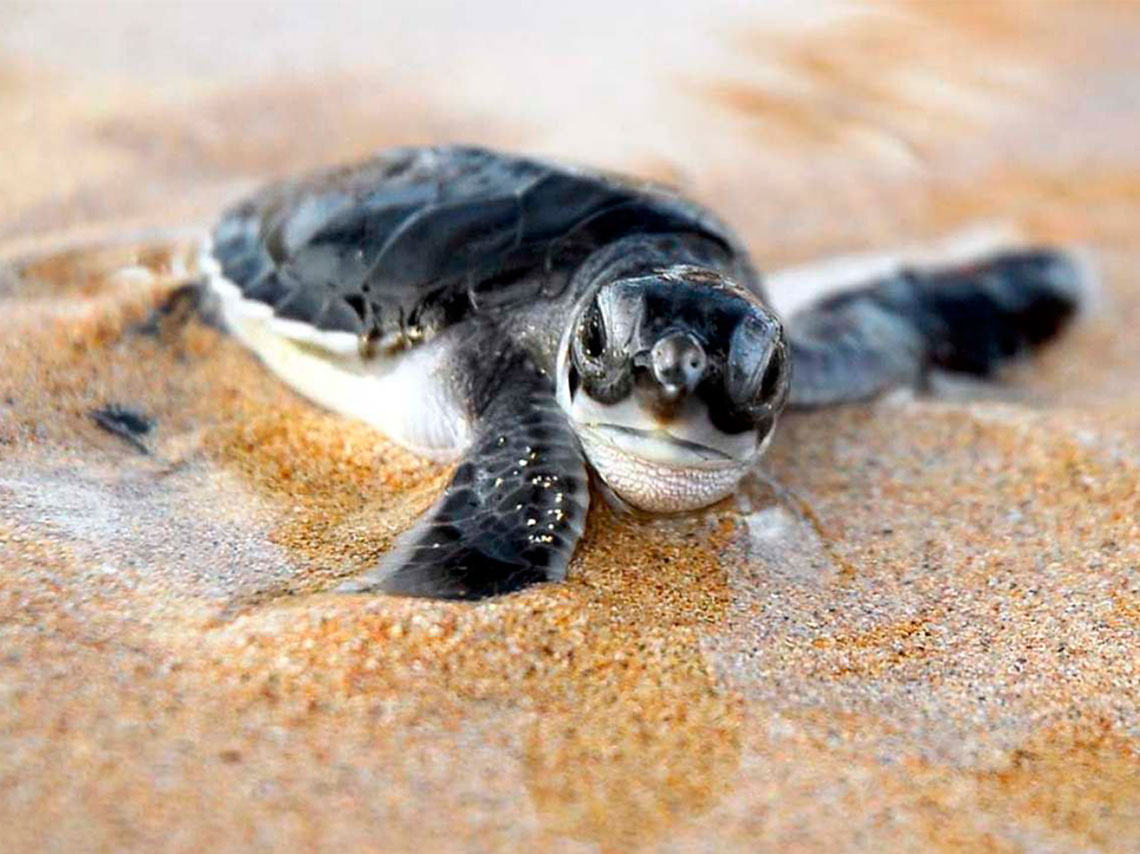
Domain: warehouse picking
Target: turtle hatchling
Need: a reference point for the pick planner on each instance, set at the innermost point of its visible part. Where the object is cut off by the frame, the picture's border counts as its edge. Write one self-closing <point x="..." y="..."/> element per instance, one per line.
<point x="535" y="321"/>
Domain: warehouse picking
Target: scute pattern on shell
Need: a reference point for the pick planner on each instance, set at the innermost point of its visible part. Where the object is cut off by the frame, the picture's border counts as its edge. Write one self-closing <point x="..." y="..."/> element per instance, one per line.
<point x="414" y="240"/>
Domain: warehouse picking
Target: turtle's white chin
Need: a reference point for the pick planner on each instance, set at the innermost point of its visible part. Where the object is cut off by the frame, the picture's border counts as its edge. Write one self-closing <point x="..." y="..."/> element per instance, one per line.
<point x="684" y="465"/>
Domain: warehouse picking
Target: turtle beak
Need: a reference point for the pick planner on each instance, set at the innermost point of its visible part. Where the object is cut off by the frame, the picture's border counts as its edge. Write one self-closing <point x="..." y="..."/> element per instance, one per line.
<point x="672" y="369"/>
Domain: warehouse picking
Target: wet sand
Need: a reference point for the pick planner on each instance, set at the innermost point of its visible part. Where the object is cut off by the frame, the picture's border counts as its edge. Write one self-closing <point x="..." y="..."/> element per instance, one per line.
<point x="948" y="658"/>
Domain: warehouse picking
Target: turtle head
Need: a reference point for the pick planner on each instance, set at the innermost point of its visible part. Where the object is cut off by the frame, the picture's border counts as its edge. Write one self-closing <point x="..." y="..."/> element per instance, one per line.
<point x="673" y="381"/>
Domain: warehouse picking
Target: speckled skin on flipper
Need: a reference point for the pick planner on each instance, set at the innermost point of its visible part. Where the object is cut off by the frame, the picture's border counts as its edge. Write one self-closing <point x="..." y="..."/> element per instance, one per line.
<point x="532" y="318"/>
<point x="515" y="507"/>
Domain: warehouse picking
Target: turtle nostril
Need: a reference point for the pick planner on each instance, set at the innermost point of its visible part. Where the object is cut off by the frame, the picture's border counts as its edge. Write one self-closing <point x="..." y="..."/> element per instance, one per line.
<point x="678" y="361"/>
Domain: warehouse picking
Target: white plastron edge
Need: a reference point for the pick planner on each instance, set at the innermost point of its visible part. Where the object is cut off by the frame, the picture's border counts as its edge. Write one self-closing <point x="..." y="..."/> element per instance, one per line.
<point x="406" y="396"/>
<point x="337" y="343"/>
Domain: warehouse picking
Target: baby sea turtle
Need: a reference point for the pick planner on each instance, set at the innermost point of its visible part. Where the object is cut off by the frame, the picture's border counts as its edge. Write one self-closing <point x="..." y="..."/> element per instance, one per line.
<point x="531" y="319"/>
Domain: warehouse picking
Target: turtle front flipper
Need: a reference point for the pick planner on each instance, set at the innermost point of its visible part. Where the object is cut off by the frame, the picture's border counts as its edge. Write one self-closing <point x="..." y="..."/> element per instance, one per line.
<point x="514" y="509"/>
<point x="965" y="318"/>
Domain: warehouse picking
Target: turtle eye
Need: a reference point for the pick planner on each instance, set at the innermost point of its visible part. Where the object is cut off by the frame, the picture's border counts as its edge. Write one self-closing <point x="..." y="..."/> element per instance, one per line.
<point x="598" y="361"/>
<point x="590" y="342"/>
<point x="593" y="335"/>
<point x="773" y="377"/>
<point x="756" y="375"/>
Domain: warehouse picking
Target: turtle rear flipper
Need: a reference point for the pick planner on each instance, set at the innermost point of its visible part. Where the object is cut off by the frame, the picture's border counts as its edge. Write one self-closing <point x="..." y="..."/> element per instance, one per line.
<point x="967" y="318"/>
<point x="514" y="509"/>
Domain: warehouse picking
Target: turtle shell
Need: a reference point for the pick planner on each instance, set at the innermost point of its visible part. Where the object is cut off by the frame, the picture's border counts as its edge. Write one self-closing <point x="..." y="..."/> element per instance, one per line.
<point x="415" y="239"/>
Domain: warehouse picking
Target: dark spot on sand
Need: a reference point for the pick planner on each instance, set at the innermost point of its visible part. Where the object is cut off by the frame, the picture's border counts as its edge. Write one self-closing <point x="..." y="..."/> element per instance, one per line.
<point x="130" y="425"/>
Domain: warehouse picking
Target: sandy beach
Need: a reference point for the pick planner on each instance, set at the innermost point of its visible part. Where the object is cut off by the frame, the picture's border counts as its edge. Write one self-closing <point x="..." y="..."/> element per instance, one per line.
<point x="938" y="649"/>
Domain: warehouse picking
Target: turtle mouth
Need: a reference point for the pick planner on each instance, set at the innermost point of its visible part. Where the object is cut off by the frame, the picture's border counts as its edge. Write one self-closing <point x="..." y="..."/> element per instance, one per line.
<point x="676" y="466"/>
<point x="662" y="447"/>
<point x="656" y="471"/>
<point x="687" y="441"/>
